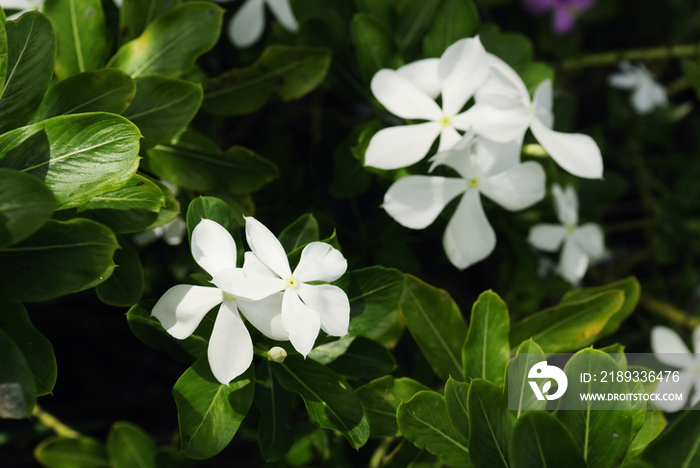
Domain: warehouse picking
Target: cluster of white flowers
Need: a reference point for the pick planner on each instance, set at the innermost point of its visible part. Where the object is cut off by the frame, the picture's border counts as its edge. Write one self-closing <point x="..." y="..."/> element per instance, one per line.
<point x="487" y="156"/>
<point x="281" y="304"/>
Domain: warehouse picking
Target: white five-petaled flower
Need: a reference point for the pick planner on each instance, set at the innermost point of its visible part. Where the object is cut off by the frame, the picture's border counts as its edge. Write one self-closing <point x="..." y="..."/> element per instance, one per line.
<point x="410" y="93"/>
<point x="504" y="111"/>
<point x="484" y="167"/>
<point x="669" y="349"/>
<point x="581" y="243"/>
<point x="247" y="25"/>
<point x="647" y="94"/>
<point x="305" y="308"/>
<point x="182" y="307"/>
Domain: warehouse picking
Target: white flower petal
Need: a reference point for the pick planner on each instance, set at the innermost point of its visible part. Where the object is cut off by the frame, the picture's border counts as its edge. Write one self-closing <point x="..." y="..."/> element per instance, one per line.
<point x="424" y="74"/>
<point x="254" y="267"/>
<point x="542" y="103"/>
<point x="547" y="237"/>
<point x="248" y="24"/>
<point x="403" y="98"/>
<point x="182" y="307"/>
<point x="448" y="138"/>
<point x="460" y="157"/>
<point x="174" y="231"/>
<point x="415" y="201"/>
<point x="332" y="305"/>
<point x="468" y="238"/>
<point x="591" y="238"/>
<point x="501" y="125"/>
<point x="239" y="283"/>
<point x="320" y="262"/>
<point x="683" y="386"/>
<point x="282" y="10"/>
<point x="213" y="247"/>
<point x="266" y="247"/>
<point x="494" y="157"/>
<point x="576" y="153"/>
<point x="499" y="93"/>
<point x="395" y="147"/>
<point x="503" y="71"/>
<point x="623" y="80"/>
<point x="266" y="316"/>
<point x="669" y="348"/>
<point x="301" y="322"/>
<point x="573" y="262"/>
<point x="516" y="188"/>
<point x="462" y="69"/>
<point x="565" y="204"/>
<point x="696" y="343"/>
<point x="230" y="349"/>
<point x="648" y="96"/>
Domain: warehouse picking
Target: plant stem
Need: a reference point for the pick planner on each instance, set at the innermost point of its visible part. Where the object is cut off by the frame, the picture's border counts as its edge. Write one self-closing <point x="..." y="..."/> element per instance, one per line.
<point x="669" y="312"/>
<point x="642" y="55"/>
<point x="53" y="423"/>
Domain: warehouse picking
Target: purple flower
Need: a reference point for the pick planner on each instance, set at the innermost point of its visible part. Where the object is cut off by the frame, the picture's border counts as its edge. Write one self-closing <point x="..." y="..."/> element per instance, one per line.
<point x="565" y="11"/>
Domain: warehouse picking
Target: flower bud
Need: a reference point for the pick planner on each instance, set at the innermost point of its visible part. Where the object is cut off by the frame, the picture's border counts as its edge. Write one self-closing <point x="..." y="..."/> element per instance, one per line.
<point x="277" y="354"/>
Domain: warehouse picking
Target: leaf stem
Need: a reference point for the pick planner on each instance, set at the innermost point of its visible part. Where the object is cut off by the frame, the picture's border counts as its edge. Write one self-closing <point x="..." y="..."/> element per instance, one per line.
<point x="54" y="424"/>
<point x="642" y="55"/>
<point x="669" y="312"/>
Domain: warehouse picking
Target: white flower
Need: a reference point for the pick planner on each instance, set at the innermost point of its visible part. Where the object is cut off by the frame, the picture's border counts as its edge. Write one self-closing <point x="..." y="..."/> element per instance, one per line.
<point x="247" y="25"/>
<point x="171" y="233"/>
<point x="410" y="93"/>
<point x="183" y="307"/>
<point x="485" y="167"/>
<point x="647" y="94"/>
<point x="22" y="5"/>
<point x="669" y="349"/>
<point x="581" y="243"/>
<point x="305" y="307"/>
<point x="504" y="111"/>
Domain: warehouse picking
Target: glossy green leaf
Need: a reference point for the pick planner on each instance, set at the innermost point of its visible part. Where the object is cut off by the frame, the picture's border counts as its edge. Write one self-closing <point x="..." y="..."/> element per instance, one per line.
<point x="375" y="45"/>
<point x="654" y="424"/>
<point x="637" y="464"/>
<point x="381" y="398"/>
<point x="513" y="48"/>
<point x="453" y="20"/>
<point x="679" y="445"/>
<point x="81" y="36"/>
<point x="31" y="48"/>
<point x="134" y="15"/>
<point x="162" y="107"/>
<point x="485" y="351"/>
<point x="529" y="353"/>
<point x="423" y="420"/>
<point x="299" y="233"/>
<point x="170" y="44"/>
<point x="17" y="387"/>
<point x="281" y="72"/>
<point x="330" y="401"/>
<point x="4" y="58"/>
<point x="275" y="433"/>
<point x="170" y="210"/>
<point x="207" y="208"/>
<point x="329" y="352"/>
<point x="193" y="163"/>
<point x="64" y="452"/>
<point x="364" y="359"/>
<point x="77" y="156"/>
<point x="456" y="394"/>
<point x="571" y="325"/>
<point x="35" y="348"/>
<point x="490" y="425"/>
<point x="128" y="446"/>
<point x="59" y="259"/>
<point x="414" y="19"/>
<point x="106" y="90"/>
<point x="540" y="441"/>
<point x="25" y="205"/>
<point x="437" y="325"/>
<point x="209" y="412"/>
<point x="125" y="285"/>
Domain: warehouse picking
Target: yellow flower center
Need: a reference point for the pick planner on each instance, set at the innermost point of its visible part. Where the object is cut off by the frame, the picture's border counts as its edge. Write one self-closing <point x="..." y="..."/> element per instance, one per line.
<point x="445" y="121"/>
<point x="473" y="182"/>
<point x="292" y="282"/>
<point x="570" y="229"/>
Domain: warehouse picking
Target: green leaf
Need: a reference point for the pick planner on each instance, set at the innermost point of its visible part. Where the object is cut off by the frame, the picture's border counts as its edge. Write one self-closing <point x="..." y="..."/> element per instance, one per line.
<point x="414" y="18"/>
<point x="135" y="15"/>
<point x="64" y="452"/>
<point x="106" y="90"/>
<point x="4" y="57"/>
<point x="193" y="162"/>
<point x="456" y="394"/>
<point x="162" y="107"/>
<point x="513" y="48"/>
<point x="170" y="44"/>
<point x="485" y="351"/>
<point x="490" y="425"/>
<point x="653" y="426"/>
<point x="381" y="398"/>
<point x="17" y="387"/>
<point x="529" y="353"/>
<point x="375" y="45"/>
<point x="275" y="434"/>
<point x="128" y="446"/>
<point x="373" y="294"/>
<point x="423" y="420"/>
<point x="350" y="179"/>
<point x="437" y="325"/>
<point x="171" y="209"/>
<point x="36" y="349"/>
<point x="207" y="208"/>
<point x="540" y="441"/>
<point x="534" y="73"/>
<point x="454" y="20"/>
<point x="209" y="412"/>
<point x="168" y="457"/>
<point x="679" y="445"/>
<point x="81" y="36"/>
<point x="282" y="72"/>
<point x="31" y="48"/>
<point x="570" y="325"/>
<point x="299" y="233"/>
<point x="330" y="401"/>
<point x="364" y="359"/>
<point x="125" y="285"/>
<point x="691" y="71"/>
<point x="25" y="205"/>
<point x="77" y="156"/>
<point x="59" y="259"/>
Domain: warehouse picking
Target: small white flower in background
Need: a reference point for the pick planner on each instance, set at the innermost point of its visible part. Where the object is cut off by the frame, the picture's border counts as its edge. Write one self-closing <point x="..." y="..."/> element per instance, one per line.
<point x="504" y="111"/>
<point x="171" y="233"/>
<point x="488" y="168"/>
<point x="22" y="5"/>
<point x="669" y="349"/>
<point x="581" y="243"/>
<point x="410" y="93"/>
<point x="647" y="94"/>
<point x="305" y="308"/>
<point x="277" y="354"/>
<point x="248" y="24"/>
